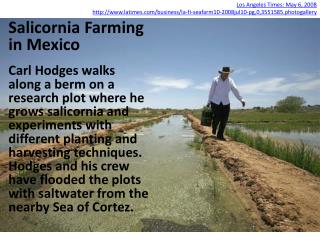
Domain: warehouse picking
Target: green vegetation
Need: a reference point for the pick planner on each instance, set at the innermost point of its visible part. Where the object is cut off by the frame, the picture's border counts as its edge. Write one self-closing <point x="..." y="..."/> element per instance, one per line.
<point x="272" y="120"/>
<point x="196" y="142"/>
<point x="290" y="104"/>
<point x="255" y="116"/>
<point x="299" y="154"/>
<point x="3" y="126"/>
<point x="216" y="188"/>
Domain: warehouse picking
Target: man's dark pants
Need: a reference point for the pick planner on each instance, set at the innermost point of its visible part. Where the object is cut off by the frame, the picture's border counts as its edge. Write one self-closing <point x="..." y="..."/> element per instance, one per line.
<point x="220" y="116"/>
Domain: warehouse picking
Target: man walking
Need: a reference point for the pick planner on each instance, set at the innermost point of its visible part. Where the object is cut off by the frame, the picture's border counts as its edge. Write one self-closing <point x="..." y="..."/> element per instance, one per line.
<point x="219" y="100"/>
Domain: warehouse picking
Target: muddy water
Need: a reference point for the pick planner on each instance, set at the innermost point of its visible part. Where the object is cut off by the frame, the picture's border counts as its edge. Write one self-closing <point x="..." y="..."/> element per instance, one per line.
<point x="186" y="191"/>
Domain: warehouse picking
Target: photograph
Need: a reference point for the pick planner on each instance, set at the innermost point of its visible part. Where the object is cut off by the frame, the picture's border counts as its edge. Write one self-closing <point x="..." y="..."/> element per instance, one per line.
<point x="160" y="125"/>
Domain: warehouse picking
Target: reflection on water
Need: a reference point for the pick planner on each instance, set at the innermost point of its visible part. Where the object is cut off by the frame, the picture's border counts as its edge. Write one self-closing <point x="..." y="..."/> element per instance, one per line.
<point x="186" y="193"/>
<point x="310" y="138"/>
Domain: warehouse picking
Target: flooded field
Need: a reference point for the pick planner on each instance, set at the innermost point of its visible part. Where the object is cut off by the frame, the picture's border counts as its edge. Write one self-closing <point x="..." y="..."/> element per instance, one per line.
<point x="310" y="138"/>
<point x="186" y="191"/>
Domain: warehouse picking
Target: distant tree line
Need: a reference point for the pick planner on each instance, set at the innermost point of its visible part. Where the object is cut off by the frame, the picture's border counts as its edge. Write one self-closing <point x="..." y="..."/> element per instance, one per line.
<point x="290" y="104"/>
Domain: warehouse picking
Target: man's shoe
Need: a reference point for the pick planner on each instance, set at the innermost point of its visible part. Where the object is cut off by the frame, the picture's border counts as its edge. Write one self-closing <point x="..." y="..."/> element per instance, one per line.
<point x="222" y="138"/>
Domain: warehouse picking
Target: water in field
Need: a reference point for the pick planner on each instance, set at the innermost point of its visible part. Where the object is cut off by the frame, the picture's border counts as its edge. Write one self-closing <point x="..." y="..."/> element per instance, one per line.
<point x="186" y="191"/>
<point x="309" y="138"/>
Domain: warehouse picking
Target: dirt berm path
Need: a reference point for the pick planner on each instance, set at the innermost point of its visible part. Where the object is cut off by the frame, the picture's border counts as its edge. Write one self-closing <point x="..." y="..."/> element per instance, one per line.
<point x="284" y="197"/>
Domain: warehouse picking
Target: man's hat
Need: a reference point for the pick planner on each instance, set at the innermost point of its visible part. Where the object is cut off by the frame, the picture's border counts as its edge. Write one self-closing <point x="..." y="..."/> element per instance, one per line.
<point x="226" y="70"/>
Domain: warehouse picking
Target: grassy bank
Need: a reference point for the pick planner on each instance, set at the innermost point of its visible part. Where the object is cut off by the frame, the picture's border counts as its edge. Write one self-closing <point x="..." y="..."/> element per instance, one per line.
<point x="298" y="154"/>
<point x="255" y="116"/>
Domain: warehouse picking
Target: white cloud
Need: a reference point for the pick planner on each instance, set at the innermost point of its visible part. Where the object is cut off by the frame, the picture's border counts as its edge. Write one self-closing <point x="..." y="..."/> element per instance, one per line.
<point x="279" y="84"/>
<point x="268" y="85"/>
<point x="163" y="83"/>
<point x="310" y="85"/>
<point x="304" y="76"/>
<point x="300" y="82"/>
<point x="203" y="86"/>
<point x="157" y="89"/>
<point x="247" y="71"/>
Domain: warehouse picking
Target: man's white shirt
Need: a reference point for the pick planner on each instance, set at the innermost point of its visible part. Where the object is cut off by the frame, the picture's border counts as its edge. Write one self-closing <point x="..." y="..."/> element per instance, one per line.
<point x="219" y="91"/>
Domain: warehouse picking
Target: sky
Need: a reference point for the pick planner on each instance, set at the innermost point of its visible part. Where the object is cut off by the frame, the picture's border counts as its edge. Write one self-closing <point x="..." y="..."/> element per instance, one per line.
<point x="175" y="61"/>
